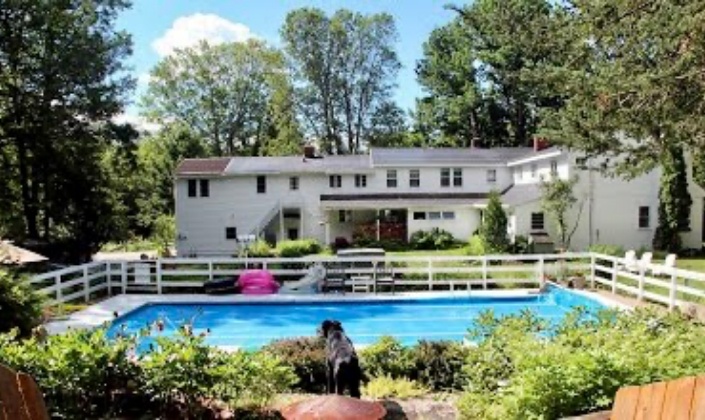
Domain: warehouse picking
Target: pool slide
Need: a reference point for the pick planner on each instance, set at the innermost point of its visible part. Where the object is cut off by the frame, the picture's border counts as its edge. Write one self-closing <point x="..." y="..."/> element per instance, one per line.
<point x="308" y="284"/>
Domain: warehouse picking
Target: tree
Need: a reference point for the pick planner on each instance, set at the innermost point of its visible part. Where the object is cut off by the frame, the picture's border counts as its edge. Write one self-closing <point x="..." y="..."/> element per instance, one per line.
<point x="493" y="229"/>
<point x="61" y="71"/>
<point x="388" y="128"/>
<point x="674" y="202"/>
<point x="20" y="304"/>
<point x="165" y="233"/>
<point x="223" y="92"/>
<point x="484" y="73"/>
<point x="557" y="199"/>
<point x="345" y="67"/>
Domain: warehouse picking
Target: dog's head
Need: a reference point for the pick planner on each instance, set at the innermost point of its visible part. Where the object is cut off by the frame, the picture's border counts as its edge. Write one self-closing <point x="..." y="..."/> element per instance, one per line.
<point x="328" y="326"/>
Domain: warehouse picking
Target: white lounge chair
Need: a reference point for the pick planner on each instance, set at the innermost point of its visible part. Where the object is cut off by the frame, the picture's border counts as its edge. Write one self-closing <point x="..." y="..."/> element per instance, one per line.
<point x="629" y="262"/>
<point x="645" y="260"/>
<point x="668" y="264"/>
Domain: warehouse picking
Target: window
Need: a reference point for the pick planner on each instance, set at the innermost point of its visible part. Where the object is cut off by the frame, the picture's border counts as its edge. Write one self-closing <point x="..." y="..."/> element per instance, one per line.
<point x="344" y="216"/>
<point x="293" y="234"/>
<point x="457" y="177"/>
<point x="448" y="215"/>
<point x="644" y="219"/>
<point x="445" y="177"/>
<point x="419" y="215"/>
<point x="391" y="178"/>
<point x="192" y="187"/>
<point x="230" y="233"/>
<point x="360" y="181"/>
<point x="335" y="181"/>
<point x="534" y="169"/>
<point x="554" y="167"/>
<point x="294" y="183"/>
<point x="414" y="178"/>
<point x="580" y="162"/>
<point x="261" y="184"/>
<point x="205" y="188"/>
<point x="434" y="215"/>
<point x="537" y="221"/>
<point x="491" y="175"/>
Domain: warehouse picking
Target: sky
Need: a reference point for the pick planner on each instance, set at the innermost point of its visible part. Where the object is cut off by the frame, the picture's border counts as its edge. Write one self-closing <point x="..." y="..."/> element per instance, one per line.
<point x="160" y="26"/>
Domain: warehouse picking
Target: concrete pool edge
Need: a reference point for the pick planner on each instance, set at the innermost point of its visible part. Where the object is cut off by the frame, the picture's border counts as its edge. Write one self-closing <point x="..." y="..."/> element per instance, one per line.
<point x="103" y="312"/>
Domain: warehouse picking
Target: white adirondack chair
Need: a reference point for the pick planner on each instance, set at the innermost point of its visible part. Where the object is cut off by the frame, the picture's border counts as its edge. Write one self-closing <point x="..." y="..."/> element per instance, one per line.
<point x="630" y="262"/>
<point x="645" y="260"/>
<point x="669" y="263"/>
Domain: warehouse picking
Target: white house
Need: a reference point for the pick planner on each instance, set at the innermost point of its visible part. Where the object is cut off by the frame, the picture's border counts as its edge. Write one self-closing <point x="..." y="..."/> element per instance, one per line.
<point x="391" y="193"/>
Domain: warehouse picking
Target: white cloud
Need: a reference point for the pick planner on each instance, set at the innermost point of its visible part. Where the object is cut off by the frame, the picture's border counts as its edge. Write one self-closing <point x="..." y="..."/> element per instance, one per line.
<point x="188" y="31"/>
<point x="138" y="122"/>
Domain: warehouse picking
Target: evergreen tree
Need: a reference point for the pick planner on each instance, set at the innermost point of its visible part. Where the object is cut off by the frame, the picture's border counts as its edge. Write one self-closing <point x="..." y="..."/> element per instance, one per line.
<point x="674" y="202"/>
<point x="494" y="225"/>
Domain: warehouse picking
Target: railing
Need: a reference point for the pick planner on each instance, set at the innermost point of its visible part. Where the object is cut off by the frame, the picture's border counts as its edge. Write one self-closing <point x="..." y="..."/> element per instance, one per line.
<point x="672" y="287"/>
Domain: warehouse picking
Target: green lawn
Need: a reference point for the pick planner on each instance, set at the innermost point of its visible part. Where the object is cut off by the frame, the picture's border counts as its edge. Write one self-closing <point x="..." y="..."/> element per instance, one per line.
<point x="456" y="252"/>
<point x="693" y="264"/>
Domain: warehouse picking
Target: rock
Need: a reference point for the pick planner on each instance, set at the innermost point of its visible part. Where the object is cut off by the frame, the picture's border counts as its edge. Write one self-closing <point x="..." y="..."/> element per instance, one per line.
<point x="334" y="407"/>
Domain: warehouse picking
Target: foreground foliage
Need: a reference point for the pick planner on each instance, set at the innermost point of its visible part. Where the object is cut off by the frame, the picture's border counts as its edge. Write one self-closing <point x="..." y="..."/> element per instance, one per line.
<point x="517" y="373"/>
<point x="20" y="305"/>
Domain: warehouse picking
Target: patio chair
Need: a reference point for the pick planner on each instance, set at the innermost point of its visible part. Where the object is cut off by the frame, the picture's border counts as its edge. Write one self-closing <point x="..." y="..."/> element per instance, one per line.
<point x="384" y="275"/>
<point x="668" y="265"/>
<point x="20" y="397"/>
<point x="645" y="261"/>
<point x="629" y="262"/>
<point x="335" y="279"/>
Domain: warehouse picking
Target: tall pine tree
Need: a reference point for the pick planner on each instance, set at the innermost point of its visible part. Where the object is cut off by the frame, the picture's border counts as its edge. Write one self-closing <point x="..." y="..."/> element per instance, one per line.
<point x="674" y="202"/>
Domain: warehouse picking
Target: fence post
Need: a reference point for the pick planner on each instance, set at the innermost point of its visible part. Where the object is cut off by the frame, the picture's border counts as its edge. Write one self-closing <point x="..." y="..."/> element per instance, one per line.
<point x="59" y="292"/>
<point x="673" y="291"/>
<point x="593" y="261"/>
<point x="159" y="276"/>
<point x="210" y="270"/>
<point x="123" y="276"/>
<point x="86" y="285"/>
<point x="615" y="265"/>
<point x="484" y="272"/>
<point x="542" y="271"/>
<point x="109" y="273"/>
<point x="640" y="296"/>
<point x="430" y="275"/>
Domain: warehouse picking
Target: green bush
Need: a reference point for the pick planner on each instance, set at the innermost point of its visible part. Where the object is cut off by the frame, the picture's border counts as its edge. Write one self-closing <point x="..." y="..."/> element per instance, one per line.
<point x="20" y="305"/>
<point x="386" y="357"/>
<point x="260" y="249"/>
<point x="439" y="364"/>
<point x="388" y="387"/>
<point x="613" y="250"/>
<point x="432" y="239"/>
<point x="476" y="246"/>
<point x="521" y="245"/>
<point x="516" y="373"/>
<point x="298" y="248"/>
<point x="306" y="356"/>
<point x="493" y="229"/>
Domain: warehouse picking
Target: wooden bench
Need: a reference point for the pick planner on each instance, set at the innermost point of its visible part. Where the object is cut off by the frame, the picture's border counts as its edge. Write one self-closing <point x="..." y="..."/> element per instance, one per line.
<point x="20" y="397"/>
<point x="681" y="399"/>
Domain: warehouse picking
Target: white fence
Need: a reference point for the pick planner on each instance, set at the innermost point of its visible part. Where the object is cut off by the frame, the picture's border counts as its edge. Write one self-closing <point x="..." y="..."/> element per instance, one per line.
<point x="671" y="287"/>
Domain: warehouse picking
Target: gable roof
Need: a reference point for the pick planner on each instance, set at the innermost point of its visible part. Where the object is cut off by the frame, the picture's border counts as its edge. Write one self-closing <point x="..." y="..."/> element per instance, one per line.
<point x="298" y="164"/>
<point x="207" y="166"/>
<point x="450" y="156"/>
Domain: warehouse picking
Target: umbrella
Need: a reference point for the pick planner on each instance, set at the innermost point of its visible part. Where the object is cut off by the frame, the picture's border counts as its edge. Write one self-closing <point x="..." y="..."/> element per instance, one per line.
<point x="12" y="254"/>
<point x="334" y="407"/>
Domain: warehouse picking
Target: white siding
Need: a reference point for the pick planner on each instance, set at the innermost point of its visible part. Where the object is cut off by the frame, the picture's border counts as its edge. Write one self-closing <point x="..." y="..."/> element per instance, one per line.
<point x="466" y="221"/>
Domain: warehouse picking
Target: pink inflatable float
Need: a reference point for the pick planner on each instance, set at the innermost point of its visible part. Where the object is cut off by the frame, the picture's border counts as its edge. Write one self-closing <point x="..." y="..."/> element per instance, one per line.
<point x="257" y="282"/>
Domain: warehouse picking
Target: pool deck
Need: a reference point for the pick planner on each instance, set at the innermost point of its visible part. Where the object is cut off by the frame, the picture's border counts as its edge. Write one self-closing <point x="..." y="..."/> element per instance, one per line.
<point x="105" y="311"/>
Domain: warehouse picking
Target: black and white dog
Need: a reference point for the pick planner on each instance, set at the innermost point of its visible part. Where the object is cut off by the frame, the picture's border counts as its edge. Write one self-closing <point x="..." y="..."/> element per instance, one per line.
<point x="342" y="365"/>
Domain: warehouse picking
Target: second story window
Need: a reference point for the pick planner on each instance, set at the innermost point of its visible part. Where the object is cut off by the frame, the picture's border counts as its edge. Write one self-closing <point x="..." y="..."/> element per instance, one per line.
<point x="391" y="178"/>
<point x="192" y="186"/>
<point x="445" y="177"/>
<point x="360" y="181"/>
<point x="335" y="181"/>
<point x="294" y="183"/>
<point x="205" y="188"/>
<point x="491" y="175"/>
<point x="554" y="167"/>
<point x="261" y="184"/>
<point x="644" y="217"/>
<point x="537" y="222"/>
<point x="414" y="178"/>
<point x="457" y="177"/>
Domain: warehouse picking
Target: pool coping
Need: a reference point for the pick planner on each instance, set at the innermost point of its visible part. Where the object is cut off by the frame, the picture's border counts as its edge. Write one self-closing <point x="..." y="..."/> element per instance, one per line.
<point x="103" y="312"/>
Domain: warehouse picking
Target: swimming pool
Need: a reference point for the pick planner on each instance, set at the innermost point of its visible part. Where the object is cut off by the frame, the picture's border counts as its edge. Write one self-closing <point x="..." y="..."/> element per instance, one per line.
<point x="252" y="325"/>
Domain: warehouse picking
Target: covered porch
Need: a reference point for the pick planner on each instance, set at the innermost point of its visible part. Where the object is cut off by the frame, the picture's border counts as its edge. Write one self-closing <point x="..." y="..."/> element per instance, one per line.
<point x="365" y="224"/>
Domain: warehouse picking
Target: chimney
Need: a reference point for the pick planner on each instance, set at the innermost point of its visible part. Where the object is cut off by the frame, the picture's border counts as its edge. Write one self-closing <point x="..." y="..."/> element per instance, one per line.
<point x="309" y="151"/>
<point x="540" y="143"/>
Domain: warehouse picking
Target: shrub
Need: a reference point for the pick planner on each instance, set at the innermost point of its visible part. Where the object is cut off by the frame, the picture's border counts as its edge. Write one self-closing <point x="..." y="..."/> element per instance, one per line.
<point x="439" y="364"/>
<point x="164" y="233"/>
<point x="476" y="246"/>
<point x="521" y="245"/>
<point x="341" y="242"/>
<point x="260" y="249"/>
<point x="433" y="239"/>
<point x="494" y="225"/>
<point x="613" y="250"/>
<point x="386" y="357"/>
<point x="306" y="356"/>
<point x="516" y="373"/>
<point x="297" y="248"/>
<point x="388" y="387"/>
<point x="20" y="305"/>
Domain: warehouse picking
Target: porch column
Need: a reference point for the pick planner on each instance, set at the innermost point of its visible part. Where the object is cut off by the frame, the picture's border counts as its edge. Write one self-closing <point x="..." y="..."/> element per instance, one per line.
<point x="326" y="224"/>
<point x="301" y="223"/>
<point x="281" y="223"/>
<point x="377" y="221"/>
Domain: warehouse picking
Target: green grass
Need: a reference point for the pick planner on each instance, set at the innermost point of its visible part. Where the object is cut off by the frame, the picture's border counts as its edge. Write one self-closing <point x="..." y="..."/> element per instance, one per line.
<point x="135" y="245"/>
<point x="455" y="252"/>
<point x="693" y="264"/>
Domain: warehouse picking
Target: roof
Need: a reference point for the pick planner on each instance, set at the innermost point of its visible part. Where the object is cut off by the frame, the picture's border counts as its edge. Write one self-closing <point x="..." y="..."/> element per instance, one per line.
<point x="298" y="164"/>
<point x="521" y="194"/>
<point x="207" y="166"/>
<point x="451" y="156"/>
<point x="12" y="254"/>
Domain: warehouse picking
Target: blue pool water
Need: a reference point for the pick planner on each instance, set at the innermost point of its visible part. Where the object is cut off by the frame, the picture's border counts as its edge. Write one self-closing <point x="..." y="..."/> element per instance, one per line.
<point x="253" y="325"/>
